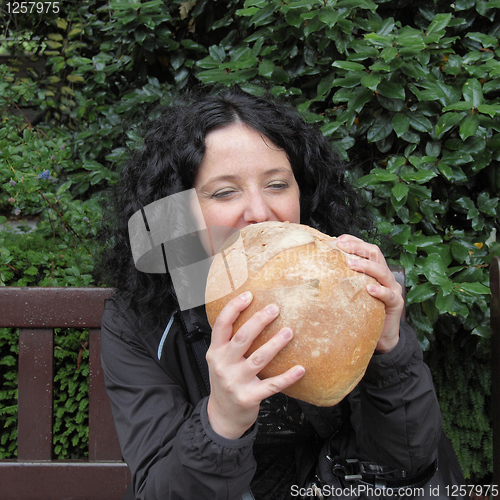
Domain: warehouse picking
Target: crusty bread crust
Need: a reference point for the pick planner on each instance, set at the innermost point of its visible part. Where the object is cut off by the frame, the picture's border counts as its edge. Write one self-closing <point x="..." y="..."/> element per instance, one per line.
<point x="336" y="323"/>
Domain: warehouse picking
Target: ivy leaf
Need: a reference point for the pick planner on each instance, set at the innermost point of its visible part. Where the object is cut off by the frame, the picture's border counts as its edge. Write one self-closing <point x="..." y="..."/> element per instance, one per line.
<point x="435" y="270"/>
<point x="381" y="128"/>
<point x="325" y="85"/>
<point x="489" y="109"/>
<point x="217" y="52"/>
<point x="474" y="288"/>
<point x="32" y="271"/>
<point x="444" y="302"/>
<point x="401" y="124"/>
<point x="420" y="176"/>
<point x="328" y="15"/>
<point x="459" y="106"/>
<point x="485" y="40"/>
<point x="468" y="126"/>
<point x="473" y="92"/>
<point x="360" y="97"/>
<point x="401" y="234"/>
<point x="266" y="68"/>
<point x="420" y="293"/>
<point x="391" y="89"/>
<point x="400" y="191"/>
<point x="439" y="23"/>
<point x="383" y="41"/>
<point x="420" y="122"/>
<point x="371" y="81"/>
<point x="376" y="176"/>
<point x="487" y="205"/>
<point x="348" y="65"/>
<point x="447" y="122"/>
<point x="263" y="15"/>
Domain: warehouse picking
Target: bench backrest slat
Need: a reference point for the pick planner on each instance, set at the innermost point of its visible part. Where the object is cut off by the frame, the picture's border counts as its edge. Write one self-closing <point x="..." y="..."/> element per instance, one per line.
<point x="35" y="381"/>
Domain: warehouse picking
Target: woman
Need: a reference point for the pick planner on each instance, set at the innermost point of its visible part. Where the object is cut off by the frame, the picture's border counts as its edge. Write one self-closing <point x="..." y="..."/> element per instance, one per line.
<point x="248" y="160"/>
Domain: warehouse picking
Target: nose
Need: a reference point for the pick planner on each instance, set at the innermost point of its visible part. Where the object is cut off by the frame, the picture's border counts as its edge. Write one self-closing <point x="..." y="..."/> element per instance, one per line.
<point x="257" y="209"/>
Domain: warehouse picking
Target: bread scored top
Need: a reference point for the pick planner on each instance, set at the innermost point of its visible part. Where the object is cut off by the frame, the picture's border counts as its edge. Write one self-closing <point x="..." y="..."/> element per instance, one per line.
<point x="336" y="323"/>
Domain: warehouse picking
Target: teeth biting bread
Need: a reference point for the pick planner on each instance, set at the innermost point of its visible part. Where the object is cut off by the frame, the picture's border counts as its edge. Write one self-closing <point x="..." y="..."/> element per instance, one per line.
<point x="336" y="323"/>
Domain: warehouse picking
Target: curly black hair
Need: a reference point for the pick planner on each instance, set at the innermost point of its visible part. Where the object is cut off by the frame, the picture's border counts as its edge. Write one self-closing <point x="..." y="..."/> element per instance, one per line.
<point x="168" y="161"/>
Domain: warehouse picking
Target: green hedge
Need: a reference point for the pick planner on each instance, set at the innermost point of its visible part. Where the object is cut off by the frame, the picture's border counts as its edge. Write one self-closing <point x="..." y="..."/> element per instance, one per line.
<point x="407" y="91"/>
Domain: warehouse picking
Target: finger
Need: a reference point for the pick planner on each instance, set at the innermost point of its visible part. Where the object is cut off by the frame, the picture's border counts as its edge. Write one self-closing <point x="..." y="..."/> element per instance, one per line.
<point x="279" y="383"/>
<point x="251" y="329"/>
<point x="266" y="353"/>
<point x="351" y="244"/>
<point x="380" y="272"/>
<point x="223" y="326"/>
<point x="391" y="298"/>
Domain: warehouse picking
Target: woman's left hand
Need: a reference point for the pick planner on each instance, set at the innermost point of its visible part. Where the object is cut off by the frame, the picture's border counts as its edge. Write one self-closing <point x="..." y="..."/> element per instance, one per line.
<point x="389" y="291"/>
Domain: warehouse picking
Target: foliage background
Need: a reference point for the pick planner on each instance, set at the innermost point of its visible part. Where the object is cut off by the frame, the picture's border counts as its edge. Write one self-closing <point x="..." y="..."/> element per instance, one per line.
<point x="407" y="91"/>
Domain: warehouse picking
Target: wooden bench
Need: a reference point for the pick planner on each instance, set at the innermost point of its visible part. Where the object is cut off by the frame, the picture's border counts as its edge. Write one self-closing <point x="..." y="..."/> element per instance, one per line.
<point x="35" y="474"/>
<point x="495" y="362"/>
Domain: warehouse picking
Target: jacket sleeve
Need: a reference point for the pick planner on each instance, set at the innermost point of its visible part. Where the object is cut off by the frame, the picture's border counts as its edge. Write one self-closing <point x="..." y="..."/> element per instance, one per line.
<point x="167" y="442"/>
<point x="395" y="412"/>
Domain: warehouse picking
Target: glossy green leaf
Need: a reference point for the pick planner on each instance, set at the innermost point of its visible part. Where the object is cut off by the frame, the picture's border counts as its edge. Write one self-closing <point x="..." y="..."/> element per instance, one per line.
<point x="325" y="85"/>
<point x="485" y="40"/>
<point x="459" y="106"/>
<point x="348" y="65"/>
<point x="360" y="97"/>
<point x="380" y="129"/>
<point x="391" y="90"/>
<point x="400" y="124"/>
<point x="446" y="122"/>
<point x="383" y="41"/>
<point x="420" y="293"/>
<point x="400" y="191"/>
<point x="263" y="15"/>
<point x="435" y="270"/>
<point x="473" y="92"/>
<point x="473" y="288"/>
<point x="328" y="15"/>
<point x="468" y="126"/>
<point x="266" y="68"/>
<point x="444" y="302"/>
<point x="440" y="22"/>
<point x="489" y="109"/>
<point x="371" y="81"/>
<point x="361" y="4"/>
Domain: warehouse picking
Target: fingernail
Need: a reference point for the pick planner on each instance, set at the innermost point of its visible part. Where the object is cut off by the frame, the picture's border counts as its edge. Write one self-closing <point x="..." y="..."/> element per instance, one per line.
<point x="287" y="333"/>
<point x="372" y="288"/>
<point x="246" y="296"/>
<point x="299" y="371"/>
<point x="272" y="309"/>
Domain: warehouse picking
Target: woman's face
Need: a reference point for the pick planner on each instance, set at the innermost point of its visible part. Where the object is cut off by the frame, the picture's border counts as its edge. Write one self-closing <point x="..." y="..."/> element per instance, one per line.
<point x="244" y="178"/>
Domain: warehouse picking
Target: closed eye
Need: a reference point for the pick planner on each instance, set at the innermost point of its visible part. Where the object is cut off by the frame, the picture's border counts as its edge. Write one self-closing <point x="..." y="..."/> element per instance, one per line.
<point x="278" y="185"/>
<point x="222" y="193"/>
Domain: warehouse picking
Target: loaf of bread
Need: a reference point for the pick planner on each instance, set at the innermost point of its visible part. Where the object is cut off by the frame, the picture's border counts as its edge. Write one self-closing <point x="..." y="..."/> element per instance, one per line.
<point x="336" y="323"/>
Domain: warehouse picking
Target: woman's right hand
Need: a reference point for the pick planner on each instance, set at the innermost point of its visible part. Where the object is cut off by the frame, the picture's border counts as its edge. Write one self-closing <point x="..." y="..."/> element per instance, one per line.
<point x="236" y="391"/>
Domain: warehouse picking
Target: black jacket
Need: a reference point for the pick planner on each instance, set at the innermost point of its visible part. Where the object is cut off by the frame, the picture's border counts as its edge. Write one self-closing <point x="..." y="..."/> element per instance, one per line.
<point x="160" y="413"/>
